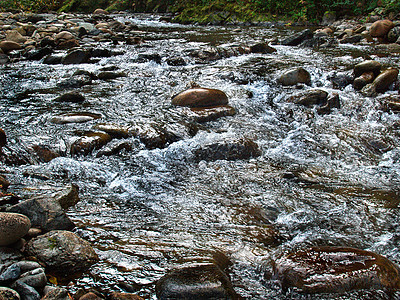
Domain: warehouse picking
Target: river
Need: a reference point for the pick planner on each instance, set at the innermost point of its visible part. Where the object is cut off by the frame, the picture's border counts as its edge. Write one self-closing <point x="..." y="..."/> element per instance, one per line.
<point x="328" y="179"/>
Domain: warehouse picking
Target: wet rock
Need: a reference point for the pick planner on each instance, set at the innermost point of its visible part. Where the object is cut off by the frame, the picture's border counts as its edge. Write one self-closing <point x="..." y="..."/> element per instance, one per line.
<point x="15" y="36"/>
<point x="91" y="296"/>
<point x="367" y="66"/>
<point x="27" y="265"/>
<point x="56" y="293"/>
<point x="35" y="278"/>
<point x="100" y="53"/>
<point x="44" y="153"/>
<point x="10" y="274"/>
<point x="75" y="118"/>
<point x="233" y="149"/>
<point x="9" y="255"/>
<point x="115" y="131"/>
<point x="124" y="296"/>
<point x="47" y="42"/>
<point x="63" y="35"/>
<point x="75" y="81"/>
<point x="295" y="76"/>
<point x="333" y="101"/>
<point x="4" y="59"/>
<point x="381" y="28"/>
<point x="298" y="38"/>
<point x="8" y="46"/>
<point x="78" y="56"/>
<point x="62" y="252"/>
<point x="3" y="138"/>
<point x="89" y="142"/>
<point x="115" y="148"/>
<point x="391" y="103"/>
<point x="263" y="48"/>
<point x="13" y="226"/>
<point x="206" y="114"/>
<point x="74" y="97"/>
<point x="25" y="291"/>
<point x="38" y="54"/>
<point x="309" y="98"/>
<point x="135" y="40"/>
<point x="391" y="48"/>
<point x="394" y="34"/>
<point x="381" y="83"/>
<point x="67" y="44"/>
<point x="197" y="282"/>
<point x="8" y="294"/>
<point x="53" y="59"/>
<point x="176" y="61"/>
<point x="352" y="39"/>
<point x="341" y="79"/>
<point x="336" y="270"/>
<point x="4" y="183"/>
<point x="143" y="57"/>
<point x="107" y="75"/>
<point x="363" y="80"/>
<point x="200" y="97"/>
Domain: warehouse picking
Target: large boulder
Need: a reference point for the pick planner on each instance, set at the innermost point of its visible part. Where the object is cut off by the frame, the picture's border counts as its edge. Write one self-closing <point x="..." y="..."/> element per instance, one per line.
<point x="62" y="252"/>
<point x="381" y="28"/>
<point x="200" y="97"/>
<point x="295" y="76"/>
<point x="336" y="270"/>
<point x="232" y="149"/>
<point x="13" y="226"/>
<point x="196" y="282"/>
<point x="46" y="212"/>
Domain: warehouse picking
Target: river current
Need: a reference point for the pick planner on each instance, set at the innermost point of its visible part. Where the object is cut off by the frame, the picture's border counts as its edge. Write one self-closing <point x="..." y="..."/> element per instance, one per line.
<point x="328" y="179"/>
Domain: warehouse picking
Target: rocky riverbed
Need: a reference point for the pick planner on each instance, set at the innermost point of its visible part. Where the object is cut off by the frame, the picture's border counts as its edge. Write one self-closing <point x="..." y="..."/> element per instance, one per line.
<point x="145" y="159"/>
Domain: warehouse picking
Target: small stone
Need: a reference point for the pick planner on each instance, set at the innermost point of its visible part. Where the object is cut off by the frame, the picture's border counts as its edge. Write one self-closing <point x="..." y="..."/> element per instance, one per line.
<point x="11" y="273"/>
<point x="89" y="142"/>
<point x="75" y="118"/>
<point x="90" y="296"/>
<point x="100" y="11"/>
<point x="309" y="98"/>
<point x="295" y="76"/>
<point x="4" y="183"/>
<point x="13" y="226"/>
<point x="8" y="294"/>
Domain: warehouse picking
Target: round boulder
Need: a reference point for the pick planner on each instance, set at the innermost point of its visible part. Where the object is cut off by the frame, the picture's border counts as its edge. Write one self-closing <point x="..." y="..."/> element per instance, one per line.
<point x="381" y="28"/>
<point x="196" y="282"/>
<point x="336" y="270"/>
<point x="200" y="97"/>
<point x="13" y="227"/>
<point x="62" y="252"/>
<point x="295" y="76"/>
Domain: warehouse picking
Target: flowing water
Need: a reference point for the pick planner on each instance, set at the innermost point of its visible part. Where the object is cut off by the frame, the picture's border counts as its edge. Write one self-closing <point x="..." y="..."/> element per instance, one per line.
<point x="321" y="180"/>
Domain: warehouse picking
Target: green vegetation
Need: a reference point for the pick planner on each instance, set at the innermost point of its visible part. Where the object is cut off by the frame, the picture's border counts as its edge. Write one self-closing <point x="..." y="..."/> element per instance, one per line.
<point x="218" y="11"/>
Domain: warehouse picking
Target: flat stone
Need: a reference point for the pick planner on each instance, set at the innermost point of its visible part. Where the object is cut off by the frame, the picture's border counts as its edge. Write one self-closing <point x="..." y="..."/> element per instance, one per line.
<point x="75" y="118"/>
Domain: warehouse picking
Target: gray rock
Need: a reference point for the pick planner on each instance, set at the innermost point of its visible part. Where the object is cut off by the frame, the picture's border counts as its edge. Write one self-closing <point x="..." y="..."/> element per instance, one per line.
<point x="352" y="39"/>
<point x="62" y="252"/>
<point x="4" y="59"/>
<point x="35" y="278"/>
<point x="13" y="226"/>
<point x="295" y="76"/>
<point x="11" y="273"/>
<point x="55" y="293"/>
<point x="8" y="294"/>
<point x="9" y="255"/>
<point x="26" y="265"/>
<point x="75" y="82"/>
<point x="197" y="282"/>
<point x="44" y="212"/>
<point x="394" y="34"/>
<point x="25" y="291"/>
<point x="298" y="38"/>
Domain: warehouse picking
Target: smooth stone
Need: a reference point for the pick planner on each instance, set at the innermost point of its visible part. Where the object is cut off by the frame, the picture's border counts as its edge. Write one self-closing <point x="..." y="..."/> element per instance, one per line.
<point x="8" y="46"/>
<point x="35" y="278"/>
<point x="15" y="36"/>
<point x="367" y="66"/>
<point x="262" y="48"/>
<point x="115" y="131"/>
<point x="298" y="38"/>
<point x="295" y="76"/>
<point x="43" y="153"/>
<point x="75" y="118"/>
<point x="69" y="44"/>
<point x="309" y="98"/>
<point x="11" y="273"/>
<point x="75" y="81"/>
<point x="381" y="83"/>
<point x="392" y="48"/>
<point x="89" y="142"/>
<point x="206" y="114"/>
<point x="27" y="265"/>
<point x="100" y="11"/>
<point x="13" y="226"/>
<point x="64" y="35"/>
<point x="233" y="149"/>
<point x="381" y="28"/>
<point x="38" y="54"/>
<point x="62" y="252"/>
<point x="73" y="97"/>
<point x="363" y="80"/>
<point x="8" y="294"/>
<point x="76" y="57"/>
<point x="3" y="138"/>
<point x="352" y="39"/>
<point x="4" y="59"/>
<point x="25" y="291"/>
<point x="91" y="296"/>
<point x="336" y="270"/>
<point x="4" y="183"/>
<point x="200" y="97"/>
<point x="196" y="282"/>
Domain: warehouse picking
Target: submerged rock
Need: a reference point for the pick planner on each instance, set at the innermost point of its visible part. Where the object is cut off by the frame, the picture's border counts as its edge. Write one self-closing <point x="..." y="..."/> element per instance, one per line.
<point x="200" y="97"/>
<point x="74" y="97"/>
<point x="381" y="83"/>
<point x="78" y="56"/>
<point x="336" y="270"/>
<point x="89" y="142"/>
<point x="206" y="114"/>
<point x="228" y="150"/>
<point x="13" y="226"/>
<point x="62" y="252"/>
<point x="295" y="76"/>
<point x="3" y="138"/>
<point x="75" y="118"/>
<point x="197" y="282"/>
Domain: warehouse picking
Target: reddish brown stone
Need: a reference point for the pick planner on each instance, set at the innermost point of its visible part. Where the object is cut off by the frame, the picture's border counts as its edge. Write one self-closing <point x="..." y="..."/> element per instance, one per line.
<point x="381" y="28"/>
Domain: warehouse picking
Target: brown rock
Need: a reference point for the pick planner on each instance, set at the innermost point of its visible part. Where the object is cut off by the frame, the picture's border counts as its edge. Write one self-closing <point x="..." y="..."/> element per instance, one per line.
<point x="100" y="11"/>
<point x="4" y="183"/>
<point x="295" y="76"/>
<point x="90" y="296"/>
<point x="13" y="227"/>
<point x="367" y="66"/>
<point x="124" y="296"/>
<point x="3" y="138"/>
<point x="44" y="154"/>
<point x="200" y="97"/>
<point x="67" y="44"/>
<point x="381" y="28"/>
<point x="336" y="270"/>
<point x="64" y="35"/>
<point x="385" y="79"/>
<point x="89" y="142"/>
<point x="363" y="80"/>
<point x="15" y="36"/>
<point x="309" y="98"/>
<point x="206" y="114"/>
<point x="8" y="46"/>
